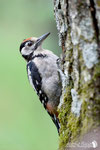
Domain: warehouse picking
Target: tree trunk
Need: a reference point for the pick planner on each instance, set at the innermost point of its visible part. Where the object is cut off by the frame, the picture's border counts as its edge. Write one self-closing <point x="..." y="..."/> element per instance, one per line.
<point x="78" y="24"/>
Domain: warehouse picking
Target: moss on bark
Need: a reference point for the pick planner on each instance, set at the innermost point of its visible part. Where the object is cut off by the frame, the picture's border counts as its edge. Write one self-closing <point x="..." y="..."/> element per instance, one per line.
<point x="78" y="25"/>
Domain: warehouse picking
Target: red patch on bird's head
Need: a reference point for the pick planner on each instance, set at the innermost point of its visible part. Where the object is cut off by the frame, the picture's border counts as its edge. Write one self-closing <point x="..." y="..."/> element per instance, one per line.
<point x="27" y="39"/>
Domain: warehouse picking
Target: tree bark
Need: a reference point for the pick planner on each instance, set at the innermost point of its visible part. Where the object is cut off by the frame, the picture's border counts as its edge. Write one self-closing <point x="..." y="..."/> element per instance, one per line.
<point x="78" y="24"/>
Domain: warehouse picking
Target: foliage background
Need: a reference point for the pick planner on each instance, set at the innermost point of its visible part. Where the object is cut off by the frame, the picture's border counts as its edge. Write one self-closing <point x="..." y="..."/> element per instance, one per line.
<point x="24" y="124"/>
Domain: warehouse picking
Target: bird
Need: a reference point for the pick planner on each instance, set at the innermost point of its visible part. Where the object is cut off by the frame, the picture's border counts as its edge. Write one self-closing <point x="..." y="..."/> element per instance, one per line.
<point x="43" y="74"/>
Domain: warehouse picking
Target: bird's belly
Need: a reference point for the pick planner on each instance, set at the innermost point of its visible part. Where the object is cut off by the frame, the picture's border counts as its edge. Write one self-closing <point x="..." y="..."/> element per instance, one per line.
<point x="52" y="89"/>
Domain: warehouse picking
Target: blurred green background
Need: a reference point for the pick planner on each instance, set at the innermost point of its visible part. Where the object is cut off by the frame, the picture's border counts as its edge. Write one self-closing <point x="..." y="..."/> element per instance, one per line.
<point x="24" y="124"/>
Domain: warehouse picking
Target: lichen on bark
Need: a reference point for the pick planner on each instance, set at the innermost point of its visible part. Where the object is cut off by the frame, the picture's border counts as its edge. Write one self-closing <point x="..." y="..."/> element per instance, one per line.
<point x="78" y="24"/>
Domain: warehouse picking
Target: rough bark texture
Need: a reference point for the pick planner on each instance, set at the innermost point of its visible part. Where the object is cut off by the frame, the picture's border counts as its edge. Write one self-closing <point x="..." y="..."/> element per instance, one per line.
<point x="78" y="24"/>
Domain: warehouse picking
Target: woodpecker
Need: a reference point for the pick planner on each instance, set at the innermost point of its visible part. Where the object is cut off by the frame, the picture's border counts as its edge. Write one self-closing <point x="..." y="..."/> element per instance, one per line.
<point x="43" y="74"/>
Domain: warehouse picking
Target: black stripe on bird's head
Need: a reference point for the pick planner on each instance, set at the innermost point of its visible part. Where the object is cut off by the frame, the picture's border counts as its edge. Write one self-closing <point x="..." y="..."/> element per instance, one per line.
<point x="28" y="46"/>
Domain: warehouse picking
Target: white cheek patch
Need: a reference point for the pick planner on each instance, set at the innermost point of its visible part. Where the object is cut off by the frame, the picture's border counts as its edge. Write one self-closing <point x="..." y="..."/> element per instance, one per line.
<point x="26" y="51"/>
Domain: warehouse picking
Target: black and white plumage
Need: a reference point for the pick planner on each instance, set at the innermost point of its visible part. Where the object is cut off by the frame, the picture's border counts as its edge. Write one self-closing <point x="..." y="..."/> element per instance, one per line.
<point x="36" y="82"/>
<point x="43" y="74"/>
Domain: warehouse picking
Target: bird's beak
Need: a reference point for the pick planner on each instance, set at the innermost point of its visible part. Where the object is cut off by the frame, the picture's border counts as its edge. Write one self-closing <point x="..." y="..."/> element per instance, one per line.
<point x="41" y="39"/>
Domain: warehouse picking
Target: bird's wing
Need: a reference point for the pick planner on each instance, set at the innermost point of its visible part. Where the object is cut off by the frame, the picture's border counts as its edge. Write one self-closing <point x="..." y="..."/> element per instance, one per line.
<point x="36" y="81"/>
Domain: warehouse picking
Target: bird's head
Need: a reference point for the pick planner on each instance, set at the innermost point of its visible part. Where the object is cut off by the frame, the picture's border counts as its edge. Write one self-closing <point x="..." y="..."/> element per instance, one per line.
<point x="28" y="46"/>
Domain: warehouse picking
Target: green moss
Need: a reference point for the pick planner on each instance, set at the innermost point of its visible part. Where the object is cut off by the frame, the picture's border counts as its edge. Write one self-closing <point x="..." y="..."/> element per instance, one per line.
<point x="90" y="95"/>
<point x="72" y="126"/>
<point x="86" y="119"/>
<point x="63" y="117"/>
<point x="91" y="101"/>
<point x="96" y="72"/>
<point x="65" y="108"/>
<point x="98" y="3"/>
<point x="69" y="130"/>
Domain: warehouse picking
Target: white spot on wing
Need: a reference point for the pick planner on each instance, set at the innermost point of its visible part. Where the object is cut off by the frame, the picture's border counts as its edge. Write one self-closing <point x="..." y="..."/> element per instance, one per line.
<point x="37" y="82"/>
<point x="42" y="101"/>
<point x="55" y="117"/>
<point x="45" y="98"/>
<point x="40" y="92"/>
<point x="30" y="78"/>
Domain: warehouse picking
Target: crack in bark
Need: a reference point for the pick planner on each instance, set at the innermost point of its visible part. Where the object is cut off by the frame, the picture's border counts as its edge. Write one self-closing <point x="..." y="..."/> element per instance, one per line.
<point x="95" y="22"/>
<point x="59" y="5"/>
<point x="67" y="7"/>
<point x="64" y="38"/>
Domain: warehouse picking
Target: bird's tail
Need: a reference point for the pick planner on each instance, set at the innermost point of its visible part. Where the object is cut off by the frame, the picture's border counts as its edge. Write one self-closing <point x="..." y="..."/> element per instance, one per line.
<point x="56" y="121"/>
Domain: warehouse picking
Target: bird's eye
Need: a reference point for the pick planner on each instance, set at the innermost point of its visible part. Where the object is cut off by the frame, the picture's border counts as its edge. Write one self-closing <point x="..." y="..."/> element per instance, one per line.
<point x="29" y="43"/>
